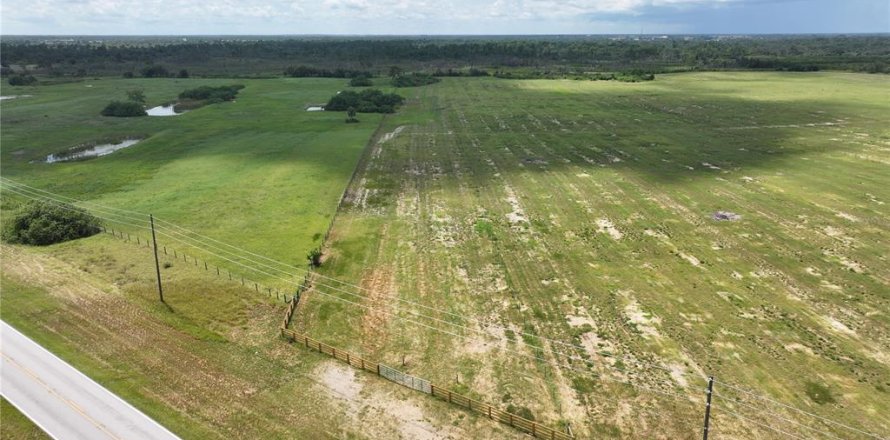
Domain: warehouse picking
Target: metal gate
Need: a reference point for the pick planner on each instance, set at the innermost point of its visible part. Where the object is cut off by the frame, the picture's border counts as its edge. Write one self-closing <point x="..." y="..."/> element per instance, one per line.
<point x="406" y="379"/>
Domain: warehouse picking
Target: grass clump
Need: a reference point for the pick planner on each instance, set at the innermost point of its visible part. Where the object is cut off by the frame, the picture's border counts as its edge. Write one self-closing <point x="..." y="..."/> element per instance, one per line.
<point x="123" y="109"/>
<point x="819" y="393"/>
<point x="41" y="224"/>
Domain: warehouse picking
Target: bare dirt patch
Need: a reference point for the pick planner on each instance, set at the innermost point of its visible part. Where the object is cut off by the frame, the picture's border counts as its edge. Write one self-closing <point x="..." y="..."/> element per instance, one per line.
<point x="379" y="283"/>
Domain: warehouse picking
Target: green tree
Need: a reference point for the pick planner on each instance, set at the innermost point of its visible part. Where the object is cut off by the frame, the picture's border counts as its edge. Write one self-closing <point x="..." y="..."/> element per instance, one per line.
<point x="42" y="224"/>
<point x="350" y="115"/>
<point x="314" y="257"/>
<point x="136" y="95"/>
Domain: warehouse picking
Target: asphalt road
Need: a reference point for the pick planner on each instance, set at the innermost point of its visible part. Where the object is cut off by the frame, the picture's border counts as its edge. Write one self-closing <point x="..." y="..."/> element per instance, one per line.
<point x="63" y="401"/>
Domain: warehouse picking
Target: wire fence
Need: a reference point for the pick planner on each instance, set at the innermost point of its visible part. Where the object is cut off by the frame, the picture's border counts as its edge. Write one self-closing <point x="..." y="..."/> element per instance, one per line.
<point x="749" y="408"/>
<point x="532" y="427"/>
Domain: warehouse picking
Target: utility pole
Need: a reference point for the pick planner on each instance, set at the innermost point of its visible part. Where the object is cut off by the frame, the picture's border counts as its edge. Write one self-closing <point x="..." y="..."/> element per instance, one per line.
<point x="154" y="242"/>
<point x="708" y="407"/>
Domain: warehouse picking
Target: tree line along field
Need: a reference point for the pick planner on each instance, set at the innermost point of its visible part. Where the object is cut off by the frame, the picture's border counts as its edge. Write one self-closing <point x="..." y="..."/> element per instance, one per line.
<point x="535" y="212"/>
<point x="519" y="214"/>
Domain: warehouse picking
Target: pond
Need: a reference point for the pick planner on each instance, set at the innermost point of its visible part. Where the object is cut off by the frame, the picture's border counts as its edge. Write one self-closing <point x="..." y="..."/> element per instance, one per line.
<point x="162" y="110"/>
<point x="95" y="151"/>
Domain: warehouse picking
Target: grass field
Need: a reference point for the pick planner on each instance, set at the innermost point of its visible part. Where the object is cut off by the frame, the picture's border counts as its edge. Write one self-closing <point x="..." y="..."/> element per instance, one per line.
<point x="582" y="212"/>
<point x="535" y="212"/>
<point x="282" y="169"/>
<point x="259" y="172"/>
<point x="14" y="424"/>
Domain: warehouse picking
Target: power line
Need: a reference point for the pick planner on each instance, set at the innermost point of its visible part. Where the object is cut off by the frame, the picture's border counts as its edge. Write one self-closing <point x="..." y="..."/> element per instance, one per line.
<point x="111" y="214"/>
<point x="741" y="417"/>
<point x="776" y="416"/>
<point x="482" y="324"/>
<point x="775" y="402"/>
<point x="393" y="314"/>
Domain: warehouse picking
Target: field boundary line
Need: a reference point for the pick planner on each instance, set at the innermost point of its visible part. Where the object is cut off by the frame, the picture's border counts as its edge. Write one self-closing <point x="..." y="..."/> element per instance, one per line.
<point x="531" y="427"/>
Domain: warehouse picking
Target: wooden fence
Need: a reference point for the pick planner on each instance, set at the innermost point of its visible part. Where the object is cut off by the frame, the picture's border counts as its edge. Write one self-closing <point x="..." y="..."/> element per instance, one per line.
<point x="529" y="426"/>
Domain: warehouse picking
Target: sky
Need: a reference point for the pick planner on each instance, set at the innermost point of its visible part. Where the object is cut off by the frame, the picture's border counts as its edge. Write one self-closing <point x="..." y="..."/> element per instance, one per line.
<point x="440" y="17"/>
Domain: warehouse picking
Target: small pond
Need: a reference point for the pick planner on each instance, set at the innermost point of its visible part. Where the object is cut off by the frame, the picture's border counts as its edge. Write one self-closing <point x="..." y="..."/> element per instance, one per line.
<point x="162" y="110"/>
<point x="95" y="151"/>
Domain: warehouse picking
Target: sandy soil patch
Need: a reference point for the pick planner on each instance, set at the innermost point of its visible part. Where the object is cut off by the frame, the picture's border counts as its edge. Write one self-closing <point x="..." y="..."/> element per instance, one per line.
<point x="606" y="226"/>
<point x="644" y="322"/>
<point x="379" y="283"/>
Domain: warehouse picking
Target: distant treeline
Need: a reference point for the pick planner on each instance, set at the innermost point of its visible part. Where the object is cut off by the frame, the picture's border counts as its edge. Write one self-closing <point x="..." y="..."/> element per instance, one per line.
<point x="351" y="57"/>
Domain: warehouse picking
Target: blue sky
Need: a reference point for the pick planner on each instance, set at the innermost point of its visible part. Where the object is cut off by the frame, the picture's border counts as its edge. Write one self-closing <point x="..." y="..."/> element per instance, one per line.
<point x="195" y="17"/>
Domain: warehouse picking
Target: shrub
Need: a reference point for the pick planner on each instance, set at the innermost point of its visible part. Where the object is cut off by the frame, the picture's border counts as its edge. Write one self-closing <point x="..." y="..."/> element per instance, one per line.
<point x="42" y="224"/>
<point x="366" y="101"/>
<point x="22" y="80"/>
<point x="350" y="115"/>
<point x="155" y="72"/>
<point x="136" y="95"/>
<point x="123" y="109"/>
<point x="212" y="94"/>
<point x="361" y="81"/>
<point x="314" y="257"/>
<point x="413" y="80"/>
<point x="521" y="411"/>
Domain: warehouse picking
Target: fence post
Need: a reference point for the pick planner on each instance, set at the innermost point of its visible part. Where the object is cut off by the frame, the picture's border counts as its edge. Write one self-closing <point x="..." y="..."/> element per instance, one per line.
<point x="708" y="407"/>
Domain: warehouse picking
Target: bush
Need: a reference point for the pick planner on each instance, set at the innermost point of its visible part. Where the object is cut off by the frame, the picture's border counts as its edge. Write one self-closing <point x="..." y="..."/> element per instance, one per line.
<point x="366" y="101"/>
<point x="42" y="224"/>
<point x="22" y="80"/>
<point x="413" y="80"/>
<point x="155" y="72"/>
<point x="123" y="109"/>
<point x="212" y="94"/>
<point x="314" y="257"/>
<point x="314" y="72"/>
<point x="361" y="81"/>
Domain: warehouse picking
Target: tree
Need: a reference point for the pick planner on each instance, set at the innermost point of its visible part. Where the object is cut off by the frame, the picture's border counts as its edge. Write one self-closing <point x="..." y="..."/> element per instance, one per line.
<point x="395" y="71"/>
<point x="350" y="115"/>
<point x="123" y="109"/>
<point x="42" y="224"/>
<point x="136" y="95"/>
<point x="314" y="257"/>
<point x="22" y="80"/>
<point x="155" y="72"/>
<point x="183" y="74"/>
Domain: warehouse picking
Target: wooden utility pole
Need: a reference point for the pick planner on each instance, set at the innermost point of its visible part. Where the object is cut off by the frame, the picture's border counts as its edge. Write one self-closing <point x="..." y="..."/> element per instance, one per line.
<point x="154" y="242"/>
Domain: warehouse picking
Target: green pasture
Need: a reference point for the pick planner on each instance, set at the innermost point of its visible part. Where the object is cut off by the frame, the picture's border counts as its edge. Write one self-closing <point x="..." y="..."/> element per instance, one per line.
<point x="280" y="168"/>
